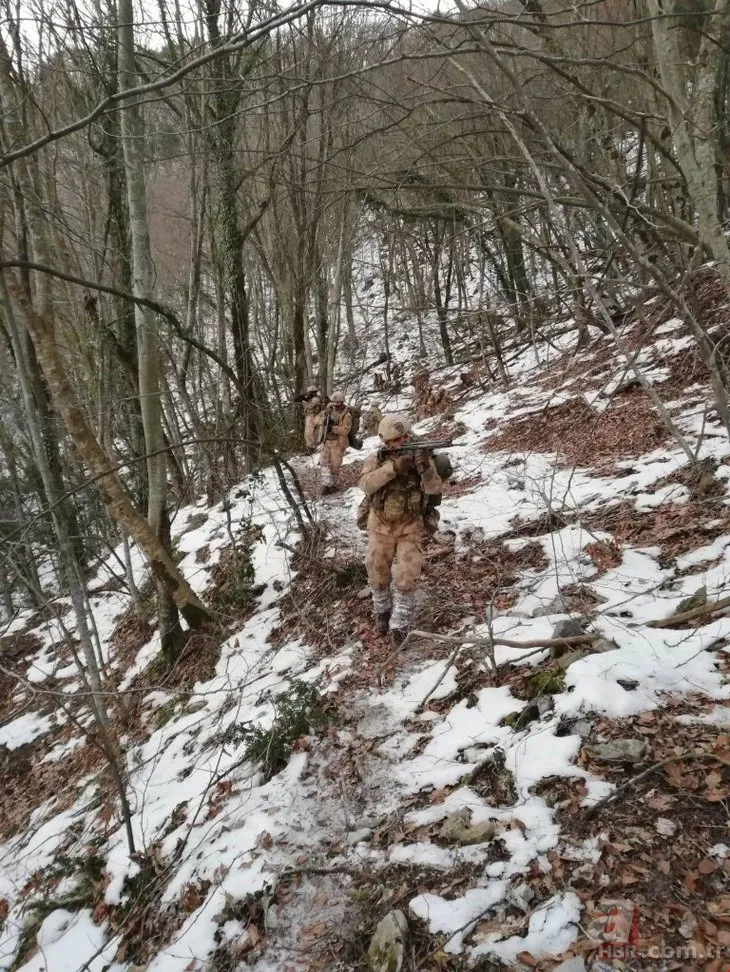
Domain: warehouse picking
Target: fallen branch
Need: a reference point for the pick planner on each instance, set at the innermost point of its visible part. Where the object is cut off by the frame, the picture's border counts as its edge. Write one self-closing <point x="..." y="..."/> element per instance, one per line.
<point x="572" y="642"/>
<point x="449" y="663"/>
<point x="489" y="643"/>
<point x="315" y="560"/>
<point x="647" y="772"/>
<point x="689" y="615"/>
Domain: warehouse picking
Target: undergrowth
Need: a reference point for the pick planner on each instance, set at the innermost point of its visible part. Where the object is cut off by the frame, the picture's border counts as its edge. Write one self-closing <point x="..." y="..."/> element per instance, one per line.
<point x="297" y="712"/>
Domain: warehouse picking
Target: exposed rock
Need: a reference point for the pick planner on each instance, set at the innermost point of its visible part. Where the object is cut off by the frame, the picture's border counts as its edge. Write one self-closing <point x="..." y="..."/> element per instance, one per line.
<point x="567" y="628"/>
<point x="696" y="600"/>
<point x="195" y="705"/>
<point x="364" y="594"/>
<point x="617" y="751"/>
<point x="565" y="661"/>
<point x="387" y="945"/>
<point x="478" y="833"/>
<point x="601" y="645"/>
<point x="455" y="824"/>
<point x="630" y="684"/>
<point x="688" y="925"/>
<point x="583" y="728"/>
<point x="666" y="827"/>
<point x="556" y="606"/>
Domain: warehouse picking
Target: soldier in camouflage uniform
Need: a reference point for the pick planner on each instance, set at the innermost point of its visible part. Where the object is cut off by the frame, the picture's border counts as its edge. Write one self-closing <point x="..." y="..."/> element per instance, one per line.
<point x="334" y="425"/>
<point x="398" y="489"/>
<point x="371" y="419"/>
<point x="313" y="405"/>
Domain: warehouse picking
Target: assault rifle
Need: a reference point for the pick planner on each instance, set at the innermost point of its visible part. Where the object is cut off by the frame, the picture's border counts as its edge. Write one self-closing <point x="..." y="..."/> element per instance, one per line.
<point x="308" y="396"/>
<point x="426" y="445"/>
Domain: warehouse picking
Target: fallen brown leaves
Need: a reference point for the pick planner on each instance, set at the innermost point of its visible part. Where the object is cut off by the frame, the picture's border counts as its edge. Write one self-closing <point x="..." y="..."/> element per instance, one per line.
<point x="629" y="427"/>
<point x="24" y="772"/>
<point x="676" y="528"/>
<point x="655" y="841"/>
<point x="605" y="554"/>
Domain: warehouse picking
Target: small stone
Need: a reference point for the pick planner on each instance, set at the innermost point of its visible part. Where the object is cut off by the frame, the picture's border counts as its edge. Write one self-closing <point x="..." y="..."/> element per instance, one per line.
<point x="387" y="946"/>
<point x="630" y="684"/>
<point x="364" y="594"/>
<point x="602" y="644"/>
<point x="617" y="751"/>
<point x="696" y="600"/>
<point x="688" y="925"/>
<point x="478" y="833"/>
<point x="195" y="705"/>
<point x="666" y="827"/>
<point x="567" y="628"/>
<point x="455" y="824"/>
<point x="583" y="728"/>
<point x="556" y="606"/>
<point x="565" y="661"/>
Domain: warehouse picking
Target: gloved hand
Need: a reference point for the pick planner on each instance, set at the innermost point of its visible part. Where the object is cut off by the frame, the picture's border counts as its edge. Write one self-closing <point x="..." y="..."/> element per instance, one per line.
<point x="403" y="464"/>
<point x="422" y="461"/>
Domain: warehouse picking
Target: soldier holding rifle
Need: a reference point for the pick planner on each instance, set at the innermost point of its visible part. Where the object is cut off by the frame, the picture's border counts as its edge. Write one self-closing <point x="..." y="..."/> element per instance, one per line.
<point x="398" y="480"/>
<point x="313" y="403"/>
<point x="334" y="427"/>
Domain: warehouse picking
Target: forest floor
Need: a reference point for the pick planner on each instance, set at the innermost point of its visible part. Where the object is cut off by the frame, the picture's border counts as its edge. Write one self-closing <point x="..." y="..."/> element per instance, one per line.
<point x="295" y="779"/>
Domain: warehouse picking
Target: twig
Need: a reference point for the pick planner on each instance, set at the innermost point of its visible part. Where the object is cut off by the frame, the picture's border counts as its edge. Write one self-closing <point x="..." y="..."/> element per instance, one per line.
<point x="571" y="642"/>
<point x="315" y="560"/>
<point x="697" y="612"/>
<point x="539" y="644"/>
<point x="647" y="772"/>
<point x="449" y="663"/>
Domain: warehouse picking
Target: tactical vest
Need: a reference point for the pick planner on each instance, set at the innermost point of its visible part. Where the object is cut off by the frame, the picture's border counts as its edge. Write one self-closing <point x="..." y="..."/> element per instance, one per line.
<point x="387" y="503"/>
<point x="400" y="499"/>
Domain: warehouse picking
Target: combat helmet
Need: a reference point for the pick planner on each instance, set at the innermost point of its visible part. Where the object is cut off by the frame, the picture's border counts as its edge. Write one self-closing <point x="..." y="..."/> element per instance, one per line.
<point x="393" y="427"/>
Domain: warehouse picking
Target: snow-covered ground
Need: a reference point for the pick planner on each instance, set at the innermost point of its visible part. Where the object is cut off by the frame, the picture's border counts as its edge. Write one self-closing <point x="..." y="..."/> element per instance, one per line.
<point x="219" y="834"/>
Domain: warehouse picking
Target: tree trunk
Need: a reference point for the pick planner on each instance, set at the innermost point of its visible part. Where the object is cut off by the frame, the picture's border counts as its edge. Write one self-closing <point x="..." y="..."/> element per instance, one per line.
<point x="148" y="358"/>
<point x="115" y="498"/>
<point x="694" y="123"/>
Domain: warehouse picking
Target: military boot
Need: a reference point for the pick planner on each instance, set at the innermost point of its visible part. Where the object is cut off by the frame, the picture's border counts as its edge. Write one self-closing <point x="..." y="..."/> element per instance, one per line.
<point x="382" y="622"/>
<point x="381" y="609"/>
<point x="400" y="622"/>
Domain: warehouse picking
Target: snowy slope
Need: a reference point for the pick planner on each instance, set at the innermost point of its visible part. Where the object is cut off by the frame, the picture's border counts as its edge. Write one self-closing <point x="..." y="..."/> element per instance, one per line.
<point x="267" y="872"/>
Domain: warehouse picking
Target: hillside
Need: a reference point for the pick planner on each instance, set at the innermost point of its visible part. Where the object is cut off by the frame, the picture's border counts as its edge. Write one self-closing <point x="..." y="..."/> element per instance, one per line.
<point x="498" y="793"/>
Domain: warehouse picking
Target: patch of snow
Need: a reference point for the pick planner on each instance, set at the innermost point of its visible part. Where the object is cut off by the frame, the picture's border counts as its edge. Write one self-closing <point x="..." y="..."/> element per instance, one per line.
<point x="24" y="729"/>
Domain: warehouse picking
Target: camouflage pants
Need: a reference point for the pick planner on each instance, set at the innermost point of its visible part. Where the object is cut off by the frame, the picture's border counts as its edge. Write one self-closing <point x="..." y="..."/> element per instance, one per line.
<point x="394" y="552"/>
<point x="333" y="452"/>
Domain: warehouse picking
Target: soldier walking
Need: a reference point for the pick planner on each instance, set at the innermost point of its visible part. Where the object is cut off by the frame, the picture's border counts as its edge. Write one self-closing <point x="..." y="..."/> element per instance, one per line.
<point x="334" y="425"/>
<point x="313" y="405"/>
<point x="371" y="419"/>
<point x="398" y="487"/>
